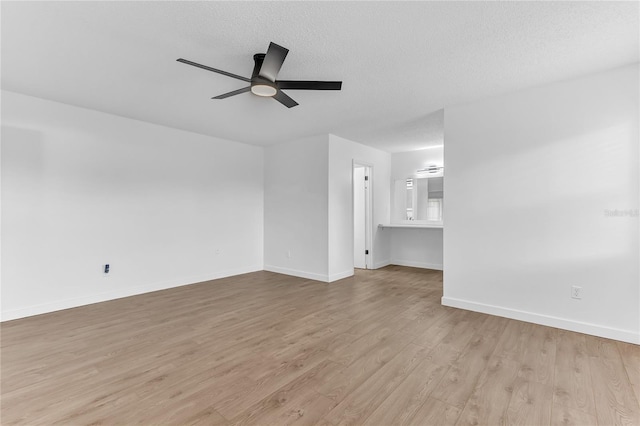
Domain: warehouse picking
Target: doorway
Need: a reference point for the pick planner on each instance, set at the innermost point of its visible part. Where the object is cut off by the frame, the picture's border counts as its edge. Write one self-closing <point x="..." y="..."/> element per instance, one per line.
<point x="362" y="216"/>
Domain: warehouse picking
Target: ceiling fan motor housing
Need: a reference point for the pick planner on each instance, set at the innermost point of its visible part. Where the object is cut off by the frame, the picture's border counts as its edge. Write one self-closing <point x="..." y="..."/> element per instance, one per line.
<point x="256" y="80"/>
<point x="258" y="58"/>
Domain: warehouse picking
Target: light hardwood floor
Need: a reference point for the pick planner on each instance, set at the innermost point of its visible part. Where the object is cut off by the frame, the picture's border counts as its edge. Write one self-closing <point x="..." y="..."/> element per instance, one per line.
<point x="263" y="348"/>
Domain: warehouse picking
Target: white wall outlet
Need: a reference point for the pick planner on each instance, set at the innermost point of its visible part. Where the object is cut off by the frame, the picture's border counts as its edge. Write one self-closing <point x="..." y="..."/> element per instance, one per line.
<point x="576" y="292"/>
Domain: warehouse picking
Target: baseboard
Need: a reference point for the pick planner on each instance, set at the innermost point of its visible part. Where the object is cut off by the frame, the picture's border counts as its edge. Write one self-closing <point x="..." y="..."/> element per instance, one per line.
<point x="297" y="273"/>
<point x="75" y="302"/>
<point x="414" y="264"/>
<point x="381" y="264"/>
<point x="548" y="320"/>
<point x="340" y="275"/>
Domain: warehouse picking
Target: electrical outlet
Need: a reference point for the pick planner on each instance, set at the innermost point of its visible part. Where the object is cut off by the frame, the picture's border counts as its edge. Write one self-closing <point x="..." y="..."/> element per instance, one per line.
<point x="217" y="252"/>
<point x="576" y="292"/>
<point x="105" y="269"/>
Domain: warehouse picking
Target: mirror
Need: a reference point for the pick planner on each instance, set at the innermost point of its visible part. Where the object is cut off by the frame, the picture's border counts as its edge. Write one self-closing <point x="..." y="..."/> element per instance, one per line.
<point x="418" y="200"/>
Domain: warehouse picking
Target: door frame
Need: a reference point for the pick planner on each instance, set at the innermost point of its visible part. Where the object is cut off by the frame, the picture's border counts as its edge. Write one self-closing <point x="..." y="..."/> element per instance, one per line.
<point x="368" y="209"/>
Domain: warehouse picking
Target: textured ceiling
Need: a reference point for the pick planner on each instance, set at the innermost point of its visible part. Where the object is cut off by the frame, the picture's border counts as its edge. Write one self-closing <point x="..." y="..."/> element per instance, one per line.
<point x="401" y="62"/>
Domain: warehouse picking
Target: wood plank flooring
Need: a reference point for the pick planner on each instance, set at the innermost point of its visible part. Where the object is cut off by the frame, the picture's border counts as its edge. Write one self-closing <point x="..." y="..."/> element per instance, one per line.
<point x="263" y="348"/>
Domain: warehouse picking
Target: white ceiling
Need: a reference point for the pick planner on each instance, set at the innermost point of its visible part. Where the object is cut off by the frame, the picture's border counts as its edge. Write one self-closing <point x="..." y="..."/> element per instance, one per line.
<point x="400" y="62"/>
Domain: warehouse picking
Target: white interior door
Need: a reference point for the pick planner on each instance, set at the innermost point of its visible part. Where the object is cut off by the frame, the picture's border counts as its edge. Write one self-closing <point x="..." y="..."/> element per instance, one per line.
<point x="362" y="217"/>
<point x="359" y="220"/>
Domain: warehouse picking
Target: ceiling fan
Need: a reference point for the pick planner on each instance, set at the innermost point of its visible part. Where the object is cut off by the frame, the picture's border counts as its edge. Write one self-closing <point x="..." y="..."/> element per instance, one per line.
<point x="263" y="79"/>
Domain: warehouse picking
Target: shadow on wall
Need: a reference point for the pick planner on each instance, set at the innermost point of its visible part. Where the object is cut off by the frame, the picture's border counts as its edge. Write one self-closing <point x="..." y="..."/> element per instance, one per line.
<point x="594" y="170"/>
<point x="22" y="154"/>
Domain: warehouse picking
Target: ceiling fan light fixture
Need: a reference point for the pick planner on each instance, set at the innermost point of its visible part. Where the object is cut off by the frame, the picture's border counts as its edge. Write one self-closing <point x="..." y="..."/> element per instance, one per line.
<point x="263" y="90"/>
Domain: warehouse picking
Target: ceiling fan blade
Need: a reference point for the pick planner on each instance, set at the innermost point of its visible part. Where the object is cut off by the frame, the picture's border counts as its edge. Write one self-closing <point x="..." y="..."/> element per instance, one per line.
<point x="235" y="92"/>
<point x="285" y="100"/>
<point x="309" y="85"/>
<point x="273" y="61"/>
<point x="204" y="67"/>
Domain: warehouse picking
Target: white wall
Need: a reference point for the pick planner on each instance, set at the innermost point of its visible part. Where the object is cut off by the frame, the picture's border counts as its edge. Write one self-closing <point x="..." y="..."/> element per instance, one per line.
<point x="420" y="248"/>
<point x="295" y="209"/>
<point x="342" y="154"/>
<point x="529" y="178"/>
<point x="81" y="188"/>
<point x="405" y="164"/>
<point x="309" y="206"/>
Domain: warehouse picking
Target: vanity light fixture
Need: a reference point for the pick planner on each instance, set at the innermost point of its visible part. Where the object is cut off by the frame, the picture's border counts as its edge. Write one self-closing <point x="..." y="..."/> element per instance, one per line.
<point x="431" y="169"/>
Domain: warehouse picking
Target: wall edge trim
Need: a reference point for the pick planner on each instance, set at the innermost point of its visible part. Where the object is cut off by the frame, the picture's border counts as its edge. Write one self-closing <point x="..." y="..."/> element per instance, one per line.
<point x="414" y="264"/>
<point x="381" y="264"/>
<point x="341" y="275"/>
<point x="297" y="273"/>
<point x="76" y="302"/>
<point x="628" y="336"/>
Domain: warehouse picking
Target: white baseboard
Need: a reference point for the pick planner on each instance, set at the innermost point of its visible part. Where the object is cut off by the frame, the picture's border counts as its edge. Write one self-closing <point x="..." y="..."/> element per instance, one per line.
<point x="340" y="275"/>
<point x="414" y="264"/>
<point x="297" y="273"/>
<point x="75" y="302"/>
<point x="381" y="264"/>
<point x="566" y="324"/>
